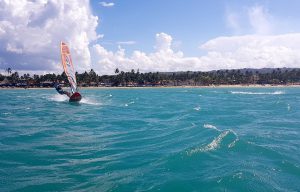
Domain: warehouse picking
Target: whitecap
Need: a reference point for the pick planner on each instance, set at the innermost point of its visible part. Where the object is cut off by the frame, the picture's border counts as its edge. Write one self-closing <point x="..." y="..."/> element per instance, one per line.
<point x="127" y="104"/>
<point x="89" y="101"/>
<point x="209" y="126"/>
<point x="197" y="108"/>
<point x="257" y="93"/>
<point x="64" y="98"/>
<point x="211" y="146"/>
<point x="232" y="144"/>
<point x="24" y="96"/>
<point x="217" y="142"/>
<point x="58" y="98"/>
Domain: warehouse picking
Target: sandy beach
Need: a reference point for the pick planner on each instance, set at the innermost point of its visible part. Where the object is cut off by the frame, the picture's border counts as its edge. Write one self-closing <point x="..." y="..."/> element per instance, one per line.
<point x="158" y="87"/>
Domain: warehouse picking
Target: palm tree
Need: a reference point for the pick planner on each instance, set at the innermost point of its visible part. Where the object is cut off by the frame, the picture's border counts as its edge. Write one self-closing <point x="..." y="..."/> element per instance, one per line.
<point x="93" y="76"/>
<point x="15" y="77"/>
<point x="8" y="70"/>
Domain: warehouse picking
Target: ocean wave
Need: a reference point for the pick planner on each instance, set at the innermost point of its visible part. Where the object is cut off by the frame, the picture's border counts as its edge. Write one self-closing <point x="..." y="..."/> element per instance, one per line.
<point x="209" y="126"/>
<point x="57" y="97"/>
<point x="130" y="103"/>
<point x="24" y="96"/>
<point x="89" y="101"/>
<point x="64" y="98"/>
<point x="257" y="93"/>
<point x="227" y="138"/>
<point x="6" y="113"/>
<point x="197" y="108"/>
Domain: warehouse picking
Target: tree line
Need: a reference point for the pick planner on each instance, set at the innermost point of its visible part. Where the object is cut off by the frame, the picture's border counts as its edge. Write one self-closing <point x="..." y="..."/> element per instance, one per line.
<point x="136" y="78"/>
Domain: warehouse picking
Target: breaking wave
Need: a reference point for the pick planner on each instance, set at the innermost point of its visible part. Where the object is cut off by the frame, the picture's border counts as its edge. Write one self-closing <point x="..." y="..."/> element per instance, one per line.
<point x="58" y="98"/>
<point x="257" y="93"/>
<point x="198" y="108"/>
<point x="130" y="103"/>
<point x="226" y="138"/>
<point x="89" y="101"/>
<point x="208" y="126"/>
<point x="64" y="98"/>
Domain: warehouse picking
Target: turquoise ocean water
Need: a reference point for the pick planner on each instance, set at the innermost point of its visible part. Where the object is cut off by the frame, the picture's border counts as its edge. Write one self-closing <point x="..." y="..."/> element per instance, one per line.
<point x="159" y="139"/>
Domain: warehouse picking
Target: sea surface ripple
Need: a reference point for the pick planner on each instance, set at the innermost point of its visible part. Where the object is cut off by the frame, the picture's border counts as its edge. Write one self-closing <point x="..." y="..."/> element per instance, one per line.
<point x="151" y="139"/>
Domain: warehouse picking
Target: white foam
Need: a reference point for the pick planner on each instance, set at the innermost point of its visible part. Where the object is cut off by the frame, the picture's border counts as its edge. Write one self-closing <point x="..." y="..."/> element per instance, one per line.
<point x="258" y="93"/>
<point x="89" y="101"/>
<point x="197" y="108"/>
<point x="208" y="126"/>
<point x="58" y="98"/>
<point x="211" y="146"/>
<point x="130" y="103"/>
<point x="216" y="143"/>
<point x="64" y="98"/>
<point x="232" y="144"/>
<point x="24" y="96"/>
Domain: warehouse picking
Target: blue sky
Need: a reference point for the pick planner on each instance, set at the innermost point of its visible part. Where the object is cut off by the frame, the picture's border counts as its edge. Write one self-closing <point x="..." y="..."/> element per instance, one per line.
<point x="139" y="21"/>
<point x="149" y="35"/>
<point x="189" y="22"/>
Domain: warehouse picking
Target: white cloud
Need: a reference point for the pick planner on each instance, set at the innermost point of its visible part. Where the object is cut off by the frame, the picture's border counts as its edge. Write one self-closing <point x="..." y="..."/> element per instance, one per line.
<point x="30" y="33"/>
<point x="106" y="4"/>
<point x="163" y="42"/>
<point x="126" y="42"/>
<point x="164" y="59"/>
<point x="255" y="51"/>
<point x="260" y="20"/>
<point x="250" y="20"/>
<point x="233" y="21"/>
<point x="249" y="51"/>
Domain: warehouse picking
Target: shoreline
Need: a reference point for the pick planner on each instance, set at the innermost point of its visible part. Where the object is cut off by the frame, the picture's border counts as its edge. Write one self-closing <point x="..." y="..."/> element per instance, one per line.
<point x="159" y="87"/>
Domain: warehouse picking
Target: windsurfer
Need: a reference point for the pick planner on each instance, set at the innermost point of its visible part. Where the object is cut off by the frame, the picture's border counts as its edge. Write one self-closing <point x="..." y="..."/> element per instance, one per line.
<point x="60" y="90"/>
<point x="70" y="73"/>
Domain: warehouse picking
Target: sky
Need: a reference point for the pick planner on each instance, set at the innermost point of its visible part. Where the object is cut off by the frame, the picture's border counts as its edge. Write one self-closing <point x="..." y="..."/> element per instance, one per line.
<point x="149" y="35"/>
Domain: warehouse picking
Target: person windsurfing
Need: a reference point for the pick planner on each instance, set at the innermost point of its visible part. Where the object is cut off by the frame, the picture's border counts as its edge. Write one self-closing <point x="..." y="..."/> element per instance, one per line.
<point x="67" y="64"/>
<point x="61" y="91"/>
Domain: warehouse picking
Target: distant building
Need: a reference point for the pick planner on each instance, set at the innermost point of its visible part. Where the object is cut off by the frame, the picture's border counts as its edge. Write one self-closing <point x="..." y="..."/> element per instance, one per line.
<point x="5" y="83"/>
<point x="47" y="84"/>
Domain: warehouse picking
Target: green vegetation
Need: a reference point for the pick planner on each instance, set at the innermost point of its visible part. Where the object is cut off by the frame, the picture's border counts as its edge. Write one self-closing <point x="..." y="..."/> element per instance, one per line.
<point x="277" y="76"/>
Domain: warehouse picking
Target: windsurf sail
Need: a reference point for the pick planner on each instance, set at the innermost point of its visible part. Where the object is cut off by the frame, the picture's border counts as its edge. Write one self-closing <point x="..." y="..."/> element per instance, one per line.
<point x="68" y="66"/>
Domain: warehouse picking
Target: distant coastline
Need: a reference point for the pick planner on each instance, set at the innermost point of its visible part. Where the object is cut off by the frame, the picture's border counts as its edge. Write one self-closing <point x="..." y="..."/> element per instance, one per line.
<point x="146" y="87"/>
<point x="266" y="77"/>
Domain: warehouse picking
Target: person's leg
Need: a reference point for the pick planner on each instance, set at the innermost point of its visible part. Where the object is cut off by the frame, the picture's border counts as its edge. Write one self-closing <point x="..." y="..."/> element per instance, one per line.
<point x="67" y="93"/>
